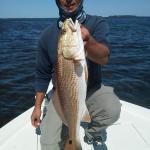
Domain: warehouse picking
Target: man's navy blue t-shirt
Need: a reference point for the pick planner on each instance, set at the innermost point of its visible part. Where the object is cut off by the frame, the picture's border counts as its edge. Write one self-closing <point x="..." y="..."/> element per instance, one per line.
<point x="47" y="50"/>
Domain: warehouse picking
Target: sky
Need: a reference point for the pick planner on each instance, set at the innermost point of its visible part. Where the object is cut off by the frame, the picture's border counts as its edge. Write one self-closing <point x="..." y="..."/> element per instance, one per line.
<point x="48" y="9"/>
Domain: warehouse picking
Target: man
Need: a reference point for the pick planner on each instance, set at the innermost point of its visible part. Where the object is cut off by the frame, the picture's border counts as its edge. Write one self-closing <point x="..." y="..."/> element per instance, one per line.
<point x="104" y="107"/>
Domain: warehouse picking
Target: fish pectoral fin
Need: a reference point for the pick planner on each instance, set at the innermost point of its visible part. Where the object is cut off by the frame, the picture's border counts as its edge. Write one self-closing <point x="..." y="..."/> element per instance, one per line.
<point x="57" y="106"/>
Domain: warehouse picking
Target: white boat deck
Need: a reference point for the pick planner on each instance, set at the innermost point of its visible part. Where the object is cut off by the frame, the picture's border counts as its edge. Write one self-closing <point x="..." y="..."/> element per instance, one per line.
<point x="130" y="132"/>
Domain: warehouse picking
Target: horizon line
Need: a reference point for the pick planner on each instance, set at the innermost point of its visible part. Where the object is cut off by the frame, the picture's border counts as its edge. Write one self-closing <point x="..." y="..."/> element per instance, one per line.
<point x="57" y="17"/>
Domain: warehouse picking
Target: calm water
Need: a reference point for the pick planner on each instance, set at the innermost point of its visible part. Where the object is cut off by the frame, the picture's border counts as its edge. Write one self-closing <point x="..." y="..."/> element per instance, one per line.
<point x="128" y="70"/>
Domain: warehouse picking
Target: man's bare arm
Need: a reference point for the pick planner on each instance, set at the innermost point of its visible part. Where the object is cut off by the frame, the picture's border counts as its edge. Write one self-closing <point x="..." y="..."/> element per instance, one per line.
<point x="99" y="53"/>
<point x="39" y="99"/>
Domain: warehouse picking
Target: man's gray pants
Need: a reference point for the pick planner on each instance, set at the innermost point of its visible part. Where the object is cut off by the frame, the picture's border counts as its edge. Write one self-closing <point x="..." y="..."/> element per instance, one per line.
<point x="104" y="108"/>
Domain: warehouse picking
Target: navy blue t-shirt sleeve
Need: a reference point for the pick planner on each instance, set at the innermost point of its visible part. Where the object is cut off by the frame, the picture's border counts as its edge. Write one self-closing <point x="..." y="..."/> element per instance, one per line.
<point x="101" y="31"/>
<point x="43" y="72"/>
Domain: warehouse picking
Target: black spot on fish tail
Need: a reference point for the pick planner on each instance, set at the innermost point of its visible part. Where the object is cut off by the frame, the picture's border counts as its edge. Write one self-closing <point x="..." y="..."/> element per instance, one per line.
<point x="70" y="141"/>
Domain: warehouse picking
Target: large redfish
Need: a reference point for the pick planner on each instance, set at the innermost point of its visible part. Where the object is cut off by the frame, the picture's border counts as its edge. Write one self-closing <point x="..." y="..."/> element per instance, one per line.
<point x="71" y="78"/>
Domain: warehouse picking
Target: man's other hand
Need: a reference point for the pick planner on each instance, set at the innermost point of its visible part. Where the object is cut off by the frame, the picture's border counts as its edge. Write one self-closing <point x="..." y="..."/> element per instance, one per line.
<point x="35" y="117"/>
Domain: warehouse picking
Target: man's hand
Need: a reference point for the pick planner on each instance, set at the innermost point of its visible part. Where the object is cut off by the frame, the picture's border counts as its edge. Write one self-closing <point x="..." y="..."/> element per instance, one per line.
<point x="36" y="114"/>
<point x="97" y="52"/>
<point x="35" y="117"/>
